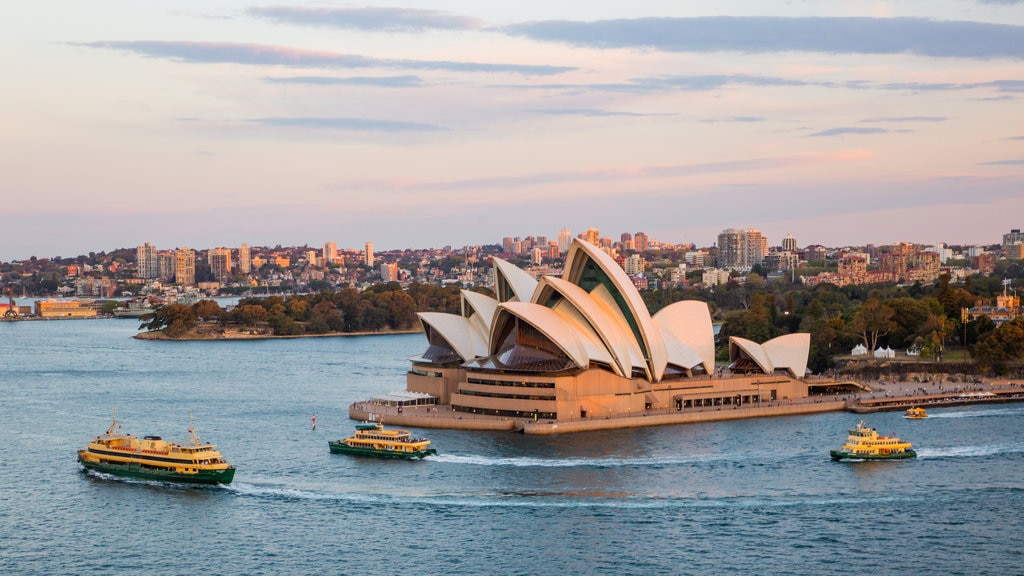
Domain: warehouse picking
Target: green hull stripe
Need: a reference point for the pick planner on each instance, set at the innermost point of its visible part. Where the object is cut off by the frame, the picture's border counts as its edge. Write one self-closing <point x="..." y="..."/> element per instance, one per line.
<point x="342" y="448"/>
<point x="134" y="471"/>
<point x="840" y="455"/>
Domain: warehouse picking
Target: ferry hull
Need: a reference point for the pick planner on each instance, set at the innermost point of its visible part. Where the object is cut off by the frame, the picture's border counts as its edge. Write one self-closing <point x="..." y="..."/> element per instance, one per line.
<point x="343" y="448"/>
<point x="843" y="455"/>
<point x="135" y="470"/>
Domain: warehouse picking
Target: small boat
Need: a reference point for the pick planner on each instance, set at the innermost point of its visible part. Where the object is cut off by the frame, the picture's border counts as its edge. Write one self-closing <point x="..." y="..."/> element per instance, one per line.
<point x="864" y="443"/>
<point x="915" y="413"/>
<point x="153" y="458"/>
<point x="372" y="439"/>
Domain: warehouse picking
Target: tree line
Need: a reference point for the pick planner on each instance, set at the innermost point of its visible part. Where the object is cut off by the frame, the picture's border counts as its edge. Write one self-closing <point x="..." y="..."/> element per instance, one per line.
<point x="380" y="307"/>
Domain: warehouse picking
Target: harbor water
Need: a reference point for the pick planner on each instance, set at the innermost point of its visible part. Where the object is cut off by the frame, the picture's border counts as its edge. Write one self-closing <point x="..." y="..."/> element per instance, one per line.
<point x="754" y="496"/>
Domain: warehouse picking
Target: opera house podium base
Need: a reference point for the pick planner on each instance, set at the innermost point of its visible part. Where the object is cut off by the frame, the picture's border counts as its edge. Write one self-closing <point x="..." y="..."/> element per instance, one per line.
<point x="440" y="416"/>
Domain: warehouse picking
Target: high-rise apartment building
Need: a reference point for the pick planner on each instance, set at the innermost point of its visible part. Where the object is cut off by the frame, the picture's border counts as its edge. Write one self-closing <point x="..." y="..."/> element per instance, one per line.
<point x="368" y="255"/>
<point x="564" y="239"/>
<point x="220" y="263"/>
<point x="633" y="264"/>
<point x="593" y="236"/>
<point x="641" y="242"/>
<point x="184" y="266"/>
<point x="244" y="259"/>
<point x="389" y="272"/>
<point x="165" y="265"/>
<point x="789" y="243"/>
<point x="741" y="248"/>
<point x="330" y="253"/>
<point x="146" y="257"/>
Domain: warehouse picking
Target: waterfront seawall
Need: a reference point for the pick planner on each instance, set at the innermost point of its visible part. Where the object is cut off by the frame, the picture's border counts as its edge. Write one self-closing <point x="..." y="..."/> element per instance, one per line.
<point x="444" y="417"/>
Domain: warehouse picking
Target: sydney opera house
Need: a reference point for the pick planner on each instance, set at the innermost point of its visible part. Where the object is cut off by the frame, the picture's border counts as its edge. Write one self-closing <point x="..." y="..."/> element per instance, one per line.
<point x="584" y="346"/>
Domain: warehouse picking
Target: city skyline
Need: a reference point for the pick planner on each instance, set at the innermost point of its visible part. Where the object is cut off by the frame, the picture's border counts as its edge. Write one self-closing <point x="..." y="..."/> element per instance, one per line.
<point x="217" y="124"/>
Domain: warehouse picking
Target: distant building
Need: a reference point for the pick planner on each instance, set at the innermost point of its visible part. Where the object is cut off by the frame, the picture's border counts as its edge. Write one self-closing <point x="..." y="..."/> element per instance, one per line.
<point x="146" y="261"/>
<point x="641" y="242"/>
<point x="633" y="265"/>
<point x="368" y="255"/>
<point x="1014" y="251"/>
<point x="741" y="248"/>
<point x="63" y="309"/>
<point x="330" y="253"/>
<point x="593" y="236"/>
<point x="564" y="238"/>
<point x="185" y="266"/>
<point x="220" y="263"/>
<point x="985" y="263"/>
<point x="789" y="243"/>
<point x="244" y="259"/>
<point x="1015" y="236"/>
<point x="389" y="272"/>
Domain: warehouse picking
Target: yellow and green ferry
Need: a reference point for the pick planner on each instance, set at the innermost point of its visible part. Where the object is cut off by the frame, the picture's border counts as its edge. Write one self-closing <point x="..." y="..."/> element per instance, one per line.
<point x="153" y="458"/>
<point x="372" y="439"/>
<point x="864" y="443"/>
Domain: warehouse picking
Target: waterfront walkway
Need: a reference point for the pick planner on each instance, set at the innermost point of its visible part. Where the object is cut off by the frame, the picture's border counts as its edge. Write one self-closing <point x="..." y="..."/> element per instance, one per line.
<point x="877" y="396"/>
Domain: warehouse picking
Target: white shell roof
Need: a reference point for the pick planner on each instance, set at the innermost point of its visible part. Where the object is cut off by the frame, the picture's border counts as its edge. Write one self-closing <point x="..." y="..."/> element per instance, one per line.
<point x="790" y="352"/>
<point x="578" y="341"/>
<point x="678" y="352"/>
<point x="607" y="322"/>
<point x="690" y="322"/>
<point x="483" y="305"/>
<point x="753" y="350"/>
<point x="522" y="284"/>
<point x="467" y="340"/>
<point x="655" y="346"/>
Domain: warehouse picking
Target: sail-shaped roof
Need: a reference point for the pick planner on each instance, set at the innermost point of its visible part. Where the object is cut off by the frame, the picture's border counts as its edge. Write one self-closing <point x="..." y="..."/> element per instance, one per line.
<point x="589" y="267"/>
<point x="689" y="321"/>
<point x="512" y="284"/>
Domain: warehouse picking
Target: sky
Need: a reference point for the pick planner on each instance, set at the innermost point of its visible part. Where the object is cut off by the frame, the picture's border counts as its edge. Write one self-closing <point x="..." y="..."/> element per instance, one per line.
<point x="426" y="124"/>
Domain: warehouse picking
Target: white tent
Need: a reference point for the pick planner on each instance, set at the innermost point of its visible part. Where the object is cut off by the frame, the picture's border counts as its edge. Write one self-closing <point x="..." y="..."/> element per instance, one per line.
<point x="859" y="350"/>
<point x="885" y="353"/>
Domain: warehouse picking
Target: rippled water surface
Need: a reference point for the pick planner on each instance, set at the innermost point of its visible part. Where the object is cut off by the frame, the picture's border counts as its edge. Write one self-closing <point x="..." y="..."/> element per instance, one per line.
<point x="755" y="497"/>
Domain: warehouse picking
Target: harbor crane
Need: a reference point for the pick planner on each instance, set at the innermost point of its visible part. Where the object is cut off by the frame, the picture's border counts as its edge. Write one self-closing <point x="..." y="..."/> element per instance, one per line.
<point x="12" y="309"/>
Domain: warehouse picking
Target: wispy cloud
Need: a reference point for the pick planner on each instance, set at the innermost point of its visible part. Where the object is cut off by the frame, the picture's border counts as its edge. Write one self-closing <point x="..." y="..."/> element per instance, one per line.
<point x="268" y="55"/>
<point x="348" y="124"/>
<point x="371" y="19"/>
<point x="763" y="34"/>
<point x="609" y="174"/>
<point x="592" y="112"/>
<point x="709" y="82"/>
<point x="1015" y="138"/>
<point x="381" y="81"/>
<point x="843" y="130"/>
<point x="998" y="85"/>
<point x="734" y="119"/>
<point x="900" y="119"/>
<point x="1002" y="163"/>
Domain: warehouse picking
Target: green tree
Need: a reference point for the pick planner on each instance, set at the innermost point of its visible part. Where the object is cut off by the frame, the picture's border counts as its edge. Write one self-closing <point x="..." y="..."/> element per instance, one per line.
<point x="174" y="319"/>
<point x="872" y="321"/>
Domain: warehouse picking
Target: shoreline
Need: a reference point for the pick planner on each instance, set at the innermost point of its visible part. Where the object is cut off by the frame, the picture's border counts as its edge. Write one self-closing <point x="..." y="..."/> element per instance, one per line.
<point x="239" y="335"/>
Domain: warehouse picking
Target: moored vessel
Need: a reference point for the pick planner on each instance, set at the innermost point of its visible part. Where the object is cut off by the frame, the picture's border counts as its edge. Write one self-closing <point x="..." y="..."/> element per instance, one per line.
<point x="372" y="439"/>
<point x="915" y="413"/>
<point x="153" y="458"/>
<point x="864" y="443"/>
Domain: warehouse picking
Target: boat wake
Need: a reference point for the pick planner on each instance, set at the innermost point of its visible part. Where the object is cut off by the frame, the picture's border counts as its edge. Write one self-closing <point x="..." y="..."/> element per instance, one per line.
<point x="149" y="482"/>
<point x="970" y="451"/>
<point x="978" y="413"/>
<point x="528" y="461"/>
<point x="558" y="499"/>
